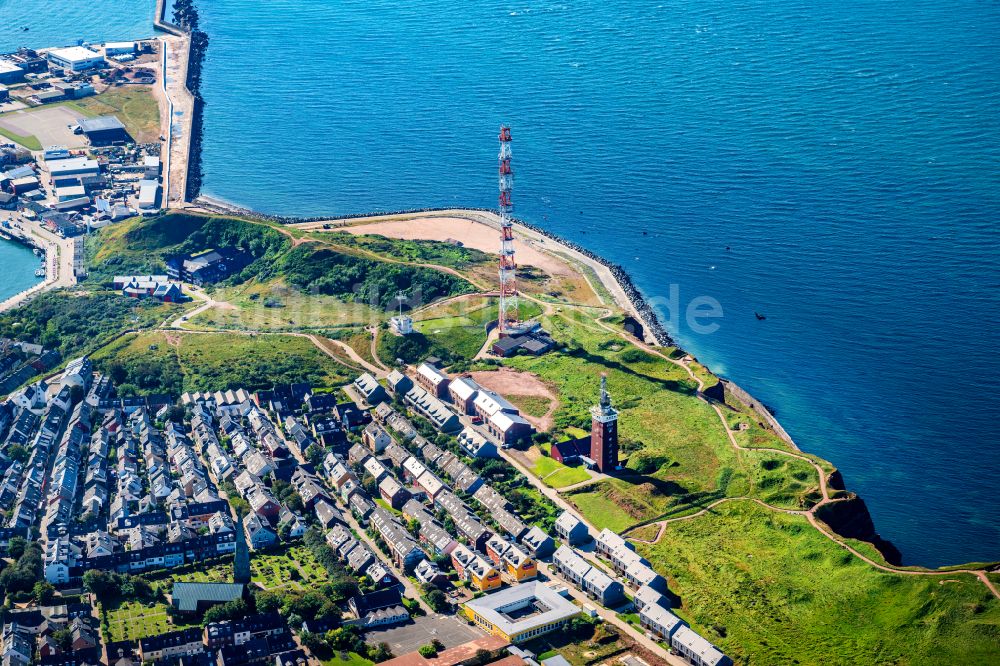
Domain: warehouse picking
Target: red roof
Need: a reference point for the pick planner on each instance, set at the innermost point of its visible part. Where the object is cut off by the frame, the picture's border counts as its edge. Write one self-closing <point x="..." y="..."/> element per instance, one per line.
<point x="456" y="655"/>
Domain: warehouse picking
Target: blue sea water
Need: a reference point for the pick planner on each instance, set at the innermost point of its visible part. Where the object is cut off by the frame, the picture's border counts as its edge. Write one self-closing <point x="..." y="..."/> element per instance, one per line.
<point x="63" y="22"/>
<point x="17" y="269"/>
<point x="847" y="153"/>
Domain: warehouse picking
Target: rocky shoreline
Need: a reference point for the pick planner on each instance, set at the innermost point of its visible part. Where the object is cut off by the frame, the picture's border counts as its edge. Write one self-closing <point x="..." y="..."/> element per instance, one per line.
<point x="850" y="518"/>
<point x="186" y="20"/>
<point x="634" y="295"/>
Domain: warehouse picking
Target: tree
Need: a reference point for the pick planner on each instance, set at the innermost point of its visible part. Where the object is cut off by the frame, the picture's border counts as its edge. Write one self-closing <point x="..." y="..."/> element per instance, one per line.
<point x="267" y="602"/>
<point x="15" y="549"/>
<point x="315" y="643"/>
<point x="343" y="589"/>
<point x="381" y="652"/>
<point x="428" y="651"/>
<point x="240" y="505"/>
<point x="18" y="453"/>
<point x="284" y="531"/>
<point x="44" y="591"/>
<point x="23" y="574"/>
<point x="63" y="638"/>
<point x="437" y="600"/>
<point x="236" y="609"/>
<point x="98" y="583"/>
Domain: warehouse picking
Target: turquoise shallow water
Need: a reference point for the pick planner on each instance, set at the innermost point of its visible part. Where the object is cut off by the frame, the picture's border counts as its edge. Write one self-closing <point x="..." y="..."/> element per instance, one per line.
<point x="848" y="153"/>
<point x="17" y="269"/>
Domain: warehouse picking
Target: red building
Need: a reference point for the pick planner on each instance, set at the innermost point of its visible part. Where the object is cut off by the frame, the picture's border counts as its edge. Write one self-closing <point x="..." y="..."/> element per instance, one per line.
<point x="604" y="432"/>
<point x="600" y="450"/>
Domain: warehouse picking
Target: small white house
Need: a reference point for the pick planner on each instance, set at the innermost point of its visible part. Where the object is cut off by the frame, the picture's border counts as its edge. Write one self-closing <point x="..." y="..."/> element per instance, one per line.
<point x="401" y="325"/>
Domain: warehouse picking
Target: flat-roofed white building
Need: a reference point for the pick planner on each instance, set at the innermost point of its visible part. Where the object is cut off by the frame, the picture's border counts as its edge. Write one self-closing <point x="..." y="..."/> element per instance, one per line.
<point x="119" y="48"/>
<point x="151" y="167"/>
<point x="522" y="612"/>
<point x="401" y="324"/>
<point x="149" y="194"/>
<point x="73" y="166"/>
<point x="9" y="72"/>
<point x="70" y="192"/>
<point x="75" y="58"/>
<point x="55" y="153"/>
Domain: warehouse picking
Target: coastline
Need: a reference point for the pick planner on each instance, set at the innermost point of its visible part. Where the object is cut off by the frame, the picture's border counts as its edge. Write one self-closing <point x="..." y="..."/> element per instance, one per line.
<point x="54" y="260"/>
<point x="614" y="277"/>
<point x="849" y="519"/>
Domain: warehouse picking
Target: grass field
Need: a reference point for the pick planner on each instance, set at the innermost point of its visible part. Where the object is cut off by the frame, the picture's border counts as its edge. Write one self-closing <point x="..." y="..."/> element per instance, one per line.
<point x="274" y="306"/>
<point x="415" y="251"/>
<point x="557" y="475"/>
<point x="134" y="105"/>
<point x="352" y="659"/>
<point x="30" y="142"/>
<point x="601" y="510"/>
<point x="132" y="620"/>
<point x="678" y="453"/>
<point x="459" y="325"/>
<point x="357" y="338"/>
<point x="532" y="405"/>
<point x="159" y="361"/>
<point x="769" y="589"/>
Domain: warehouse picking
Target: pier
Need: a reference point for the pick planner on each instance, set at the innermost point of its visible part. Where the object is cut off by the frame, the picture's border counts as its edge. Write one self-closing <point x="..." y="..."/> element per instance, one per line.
<point x="60" y="254"/>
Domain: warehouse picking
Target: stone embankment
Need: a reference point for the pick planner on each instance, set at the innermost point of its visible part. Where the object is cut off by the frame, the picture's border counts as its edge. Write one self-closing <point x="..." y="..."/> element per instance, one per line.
<point x="186" y="20"/>
<point x="635" y="297"/>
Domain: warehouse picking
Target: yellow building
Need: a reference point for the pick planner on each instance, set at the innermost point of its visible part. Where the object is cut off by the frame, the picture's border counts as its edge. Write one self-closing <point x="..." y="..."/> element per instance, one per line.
<point x="475" y="569"/>
<point x="519" y="565"/>
<point x="521" y="612"/>
<point x="511" y="558"/>
<point x="483" y="576"/>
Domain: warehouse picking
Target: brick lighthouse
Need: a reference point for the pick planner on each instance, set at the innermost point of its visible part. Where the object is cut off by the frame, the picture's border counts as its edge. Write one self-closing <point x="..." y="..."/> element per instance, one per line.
<point x="604" y="432"/>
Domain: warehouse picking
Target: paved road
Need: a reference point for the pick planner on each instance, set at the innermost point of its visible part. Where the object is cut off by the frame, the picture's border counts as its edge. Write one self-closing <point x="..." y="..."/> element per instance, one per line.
<point x="611" y="617"/>
<point x="177" y="110"/>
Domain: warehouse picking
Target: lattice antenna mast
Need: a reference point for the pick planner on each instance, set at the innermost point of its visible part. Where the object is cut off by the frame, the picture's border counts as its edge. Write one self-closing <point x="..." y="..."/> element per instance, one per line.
<point x="508" y="286"/>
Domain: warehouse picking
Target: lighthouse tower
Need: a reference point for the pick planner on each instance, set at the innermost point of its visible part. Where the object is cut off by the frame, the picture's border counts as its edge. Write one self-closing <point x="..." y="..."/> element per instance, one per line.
<point x="604" y="431"/>
<point x="241" y="560"/>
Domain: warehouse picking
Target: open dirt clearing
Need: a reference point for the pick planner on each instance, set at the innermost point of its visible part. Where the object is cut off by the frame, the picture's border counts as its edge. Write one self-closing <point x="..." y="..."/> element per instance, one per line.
<point x="513" y="384"/>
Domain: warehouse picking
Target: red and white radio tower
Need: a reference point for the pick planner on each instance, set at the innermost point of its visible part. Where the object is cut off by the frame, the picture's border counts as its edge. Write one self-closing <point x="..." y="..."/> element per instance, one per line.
<point x="508" y="286"/>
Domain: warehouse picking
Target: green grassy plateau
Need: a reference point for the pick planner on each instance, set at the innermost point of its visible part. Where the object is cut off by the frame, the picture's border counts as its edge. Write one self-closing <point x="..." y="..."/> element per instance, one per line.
<point x="770" y="589"/>
<point x="763" y="584"/>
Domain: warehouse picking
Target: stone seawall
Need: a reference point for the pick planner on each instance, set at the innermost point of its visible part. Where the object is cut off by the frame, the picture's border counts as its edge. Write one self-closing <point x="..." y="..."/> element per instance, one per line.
<point x="184" y="23"/>
<point x="760" y="409"/>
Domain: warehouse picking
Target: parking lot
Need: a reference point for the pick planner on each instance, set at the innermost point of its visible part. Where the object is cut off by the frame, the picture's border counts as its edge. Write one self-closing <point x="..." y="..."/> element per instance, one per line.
<point x="48" y="124"/>
<point x="405" y="638"/>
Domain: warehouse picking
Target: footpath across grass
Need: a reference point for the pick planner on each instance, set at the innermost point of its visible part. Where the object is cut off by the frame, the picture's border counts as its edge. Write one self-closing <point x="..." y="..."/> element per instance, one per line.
<point x="770" y="589"/>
